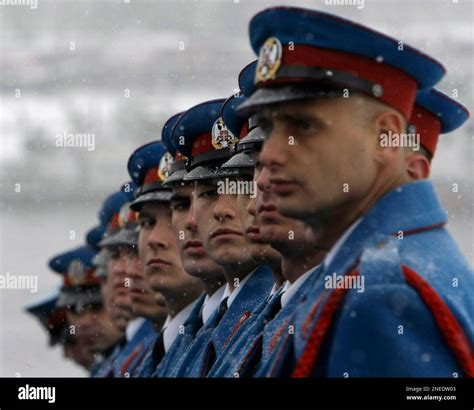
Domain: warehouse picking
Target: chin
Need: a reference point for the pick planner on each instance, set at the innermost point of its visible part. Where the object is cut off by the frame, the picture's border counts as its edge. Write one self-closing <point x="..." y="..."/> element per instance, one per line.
<point x="228" y="258"/>
<point x="259" y="252"/>
<point x="293" y="207"/>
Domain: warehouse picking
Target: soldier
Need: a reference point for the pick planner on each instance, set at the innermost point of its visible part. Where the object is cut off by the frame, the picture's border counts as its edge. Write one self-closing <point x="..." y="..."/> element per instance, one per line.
<point x="80" y="296"/>
<point x="113" y="282"/>
<point x="299" y="259"/>
<point x="205" y="140"/>
<point x="388" y="302"/>
<point x="147" y="306"/>
<point x="51" y="318"/>
<point x="158" y="249"/>
<point x="195" y="260"/>
<point x="112" y="288"/>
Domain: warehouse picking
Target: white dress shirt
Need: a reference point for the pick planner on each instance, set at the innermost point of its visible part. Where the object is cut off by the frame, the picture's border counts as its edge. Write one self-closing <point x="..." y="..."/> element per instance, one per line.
<point x="290" y="288"/>
<point x="211" y="303"/>
<point x="172" y="325"/>
<point x="132" y="327"/>
<point x="339" y="243"/>
<point x="233" y="294"/>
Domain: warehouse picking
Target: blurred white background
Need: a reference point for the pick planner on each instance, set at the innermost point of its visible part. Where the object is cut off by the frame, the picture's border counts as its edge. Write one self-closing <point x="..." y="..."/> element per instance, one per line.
<point x="66" y="66"/>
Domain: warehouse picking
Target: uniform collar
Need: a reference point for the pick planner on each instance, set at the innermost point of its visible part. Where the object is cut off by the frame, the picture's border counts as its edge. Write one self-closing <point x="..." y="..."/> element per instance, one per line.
<point x="211" y="303"/>
<point x="172" y="325"/>
<point x="237" y="289"/>
<point x="132" y="327"/>
<point x="276" y="288"/>
<point x="290" y="288"/>
<point x="335" y="248"/>
<point x="410" y="208"/>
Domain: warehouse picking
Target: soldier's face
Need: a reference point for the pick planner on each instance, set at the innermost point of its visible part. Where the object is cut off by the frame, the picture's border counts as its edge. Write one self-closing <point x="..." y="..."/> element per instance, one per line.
<point x="258" y="247"/>
<point x="274" y="228"/>
<point x="320" y="154"/>
<point x="196" y="260"/>
<point x="145" y="301"/>
<point x="79" y="353"/>
<point x="159" y="252"/>
<point x="114" y="313"/>
<point x="93" y="327"/>
<point x="218" y="218"/>
<point x="120" y="284"/>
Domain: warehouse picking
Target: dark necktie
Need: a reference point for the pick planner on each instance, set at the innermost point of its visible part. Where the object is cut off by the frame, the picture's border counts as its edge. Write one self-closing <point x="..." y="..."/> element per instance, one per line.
<point x="222" y="310"/>
<point x="158" y="350"/>
<point x="211" y="358"/>
<point x="276" y="306"/>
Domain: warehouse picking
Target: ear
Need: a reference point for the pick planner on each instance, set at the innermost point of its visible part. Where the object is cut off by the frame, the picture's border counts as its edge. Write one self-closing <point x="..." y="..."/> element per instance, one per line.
<point x="417" y="167"/>
<point x="390" y="120"/>
<point x="388" y="123"/>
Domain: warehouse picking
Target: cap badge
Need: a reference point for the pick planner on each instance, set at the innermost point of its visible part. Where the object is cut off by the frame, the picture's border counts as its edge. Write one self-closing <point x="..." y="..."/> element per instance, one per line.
<point x="164" y="166"/>
<point x="269" y="60"/>
<point x="76" y="272"/>
<point x="124" y="215"/>
<point x="222" y="137"/>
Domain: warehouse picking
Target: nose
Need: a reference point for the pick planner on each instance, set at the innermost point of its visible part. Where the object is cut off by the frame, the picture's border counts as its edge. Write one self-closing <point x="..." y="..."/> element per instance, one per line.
<point x="190" y="224"/>
<point x="84" y="320"/>
<point x="158" y="238"/>
<point x="252" y="205"/>
<point x="225" y="207"/>
<point x="273" y="151"/>
<point x="263" y="180"/>
<point x="133" y="267"/>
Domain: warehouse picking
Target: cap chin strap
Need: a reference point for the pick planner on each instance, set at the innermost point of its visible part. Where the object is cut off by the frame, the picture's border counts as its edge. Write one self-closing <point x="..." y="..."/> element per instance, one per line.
<point x="331" y="77"/>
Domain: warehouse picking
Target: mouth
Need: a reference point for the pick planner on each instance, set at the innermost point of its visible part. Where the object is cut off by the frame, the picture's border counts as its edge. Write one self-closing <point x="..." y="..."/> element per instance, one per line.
<point x="253" y="233"/>
<point x="194" y="248"/>
<point x="281" y="186"/>
<point x="268" y="211"/>
<point x="157" y="263"/>
<point x="137" y="290"/>
<point x="225" y="232"/>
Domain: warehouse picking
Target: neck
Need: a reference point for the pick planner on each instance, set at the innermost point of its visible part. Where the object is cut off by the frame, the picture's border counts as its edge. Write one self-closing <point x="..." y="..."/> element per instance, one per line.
<point x="211" y="285"/>
<point x="277" y="271"/>
<point x="297" y="258"/>
<point x="329" y="226"/>
<point x="238" y="271"/>
<point x="157" y="322"/>
<point x="177" y="302"/>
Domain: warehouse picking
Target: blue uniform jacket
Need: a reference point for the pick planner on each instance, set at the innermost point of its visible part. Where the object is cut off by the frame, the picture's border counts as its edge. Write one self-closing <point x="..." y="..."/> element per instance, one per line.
<point x="126" y="362"/>
<point x="191" y="326"/>
<point x="104" y="369"/>
<point x="243" y="347"/>
<point x="413" y="316"/>
<point x="215" y="337"/>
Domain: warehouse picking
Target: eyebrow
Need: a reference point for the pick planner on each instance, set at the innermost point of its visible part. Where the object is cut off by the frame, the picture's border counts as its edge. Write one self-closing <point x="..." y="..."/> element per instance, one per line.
<point x="207" y="184"/>
<point x="144" y="214"/>
<point x="298" y="116"/>
<point x="180" y="197"/>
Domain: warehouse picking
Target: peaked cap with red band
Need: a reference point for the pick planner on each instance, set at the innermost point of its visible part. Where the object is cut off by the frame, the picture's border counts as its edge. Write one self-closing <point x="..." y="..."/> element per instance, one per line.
<point x="436" y="113"/>
<point x="177" y="168"/>
<point x="147" y="167"/>
<point x="299" y="46"/>
<point x="202" y="136"/>
<point x="109" y="214"/>
<point x="52" y="318"/>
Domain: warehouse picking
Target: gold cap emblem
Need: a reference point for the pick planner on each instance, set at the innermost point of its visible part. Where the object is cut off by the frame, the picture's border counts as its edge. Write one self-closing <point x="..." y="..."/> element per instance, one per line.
<point x="269" y="60"/>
